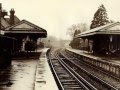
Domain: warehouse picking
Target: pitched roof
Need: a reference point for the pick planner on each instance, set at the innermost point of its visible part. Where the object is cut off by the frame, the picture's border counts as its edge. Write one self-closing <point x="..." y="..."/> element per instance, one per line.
<point x="24" y="26"/>
<point x="16" y="20"/>
<point x="4" y="23"/>
<point x="106" y="29"/>
<point x="7" y="19"/>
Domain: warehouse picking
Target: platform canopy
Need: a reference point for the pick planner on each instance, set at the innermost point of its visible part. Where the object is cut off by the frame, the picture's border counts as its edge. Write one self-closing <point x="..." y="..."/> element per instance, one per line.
<point x="110" y="29"/>
<point x="25" y="27"/>
<point x="102" y="40"/>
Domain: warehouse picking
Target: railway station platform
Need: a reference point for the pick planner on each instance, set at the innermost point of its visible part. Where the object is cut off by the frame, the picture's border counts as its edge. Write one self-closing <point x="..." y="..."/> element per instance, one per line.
<point x="44" y="78"/>
<point x="110" y="68"/>
<point x="87" y="54"/>
<point x="28" y="74"/>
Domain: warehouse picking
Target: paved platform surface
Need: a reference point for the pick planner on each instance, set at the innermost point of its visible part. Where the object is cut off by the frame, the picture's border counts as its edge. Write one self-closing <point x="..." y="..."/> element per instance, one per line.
<point x="85" y="53"/>
<point x="30" y="74"/>
<point x="20" y="76"/>
<point x="44" y="78"/>
<point x="103" y="76"/>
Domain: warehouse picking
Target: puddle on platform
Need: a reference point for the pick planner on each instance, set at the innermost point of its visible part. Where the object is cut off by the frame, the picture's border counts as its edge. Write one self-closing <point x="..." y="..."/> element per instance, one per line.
<point x="20" y="76"/>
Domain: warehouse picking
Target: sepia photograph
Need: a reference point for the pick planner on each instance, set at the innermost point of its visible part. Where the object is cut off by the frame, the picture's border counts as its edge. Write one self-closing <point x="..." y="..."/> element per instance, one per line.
<point x="59" y="44"/>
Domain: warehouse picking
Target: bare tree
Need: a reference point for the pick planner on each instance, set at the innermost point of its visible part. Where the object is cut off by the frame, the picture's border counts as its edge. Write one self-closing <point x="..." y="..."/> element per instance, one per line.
<point x="75" y="30"/>
<point x="71" y="30"/>
<point x="81" y="27"/>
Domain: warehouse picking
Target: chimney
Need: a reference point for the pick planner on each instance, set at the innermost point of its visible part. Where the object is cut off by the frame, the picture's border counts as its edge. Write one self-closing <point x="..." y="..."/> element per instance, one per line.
<point x="4" y="13"/>
<point x="12" y="12"/>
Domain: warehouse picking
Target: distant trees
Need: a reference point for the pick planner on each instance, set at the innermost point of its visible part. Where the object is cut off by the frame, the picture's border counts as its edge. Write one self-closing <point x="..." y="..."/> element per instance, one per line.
<point x="52" y="42"/>
<point x="75" y="30"/>
<point x="75" y="43"/>
<point x="78" y="28"/>
<point x="100" y="17"/>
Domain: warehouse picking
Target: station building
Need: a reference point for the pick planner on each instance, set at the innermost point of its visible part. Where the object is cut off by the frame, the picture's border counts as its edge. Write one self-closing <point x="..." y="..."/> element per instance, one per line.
<point x="17" y="36"/>
<point x="25" y="32"/>
<point x="102" y="40"/>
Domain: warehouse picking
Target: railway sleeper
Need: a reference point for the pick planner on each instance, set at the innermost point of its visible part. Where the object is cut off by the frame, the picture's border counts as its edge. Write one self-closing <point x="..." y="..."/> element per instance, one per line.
<point x="103" y="83"/>
<point x="110" y="73"/>
<point x="109" y="69"/>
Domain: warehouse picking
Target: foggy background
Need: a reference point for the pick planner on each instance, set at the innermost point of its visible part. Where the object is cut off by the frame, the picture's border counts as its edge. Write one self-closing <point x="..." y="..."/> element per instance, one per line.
<point x="56" y="16"/>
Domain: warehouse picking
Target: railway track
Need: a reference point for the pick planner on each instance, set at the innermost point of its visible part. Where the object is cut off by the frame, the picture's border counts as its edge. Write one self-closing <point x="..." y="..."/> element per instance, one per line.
<point x="70" y="76"/>
<point x="66" y="77"/>
<point x="108" y="68"/>
<point x="95" y="81"/>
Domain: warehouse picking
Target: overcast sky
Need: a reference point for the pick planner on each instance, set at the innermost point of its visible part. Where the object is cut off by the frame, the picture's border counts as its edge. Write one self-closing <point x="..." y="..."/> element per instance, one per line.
<point x="56" y="16"/>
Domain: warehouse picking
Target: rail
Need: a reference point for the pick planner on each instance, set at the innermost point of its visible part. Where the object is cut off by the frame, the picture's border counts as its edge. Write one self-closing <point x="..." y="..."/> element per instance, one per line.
<point x="107" y="67"/>
<point x="107" y="85"/>
<point x="54" y="72"/>
<point x="85" y="85"/>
